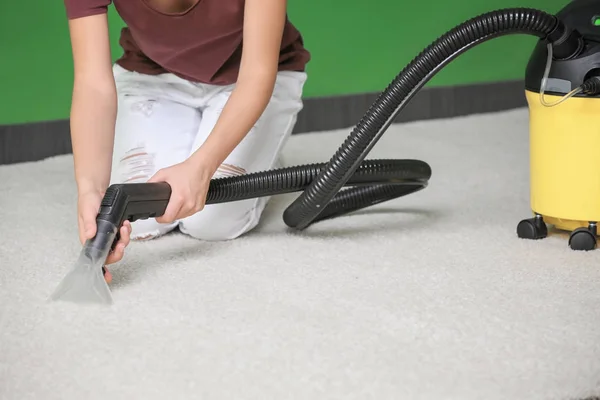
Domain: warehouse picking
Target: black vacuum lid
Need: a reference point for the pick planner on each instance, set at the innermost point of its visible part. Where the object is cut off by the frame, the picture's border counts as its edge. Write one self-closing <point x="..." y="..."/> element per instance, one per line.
<point x="584" y="16"/>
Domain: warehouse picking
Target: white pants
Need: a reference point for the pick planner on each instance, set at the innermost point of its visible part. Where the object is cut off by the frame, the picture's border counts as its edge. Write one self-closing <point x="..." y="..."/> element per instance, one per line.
<point x="163" y="119"/>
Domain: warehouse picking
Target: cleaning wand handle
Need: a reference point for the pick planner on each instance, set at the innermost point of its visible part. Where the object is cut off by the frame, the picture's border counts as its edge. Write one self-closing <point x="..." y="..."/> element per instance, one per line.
<point x="126" y="202"/>
<point x="134" y="201"/>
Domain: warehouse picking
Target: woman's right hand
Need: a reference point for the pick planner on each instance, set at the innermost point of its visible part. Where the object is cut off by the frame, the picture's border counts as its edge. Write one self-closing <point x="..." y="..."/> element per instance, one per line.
<point x="92" y="121"/>
<point x="88" y="205"/>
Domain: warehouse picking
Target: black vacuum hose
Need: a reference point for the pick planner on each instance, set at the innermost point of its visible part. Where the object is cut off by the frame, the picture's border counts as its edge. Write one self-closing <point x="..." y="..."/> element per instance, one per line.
<point x="376" y="181"/>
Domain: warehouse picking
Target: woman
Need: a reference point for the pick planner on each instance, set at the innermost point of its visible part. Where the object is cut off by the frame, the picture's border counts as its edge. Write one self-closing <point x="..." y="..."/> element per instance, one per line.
<point x="185" y="103"/>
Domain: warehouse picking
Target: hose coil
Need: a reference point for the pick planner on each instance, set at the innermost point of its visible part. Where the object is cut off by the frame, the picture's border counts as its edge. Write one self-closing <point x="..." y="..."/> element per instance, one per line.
<point x="376" y="181"/>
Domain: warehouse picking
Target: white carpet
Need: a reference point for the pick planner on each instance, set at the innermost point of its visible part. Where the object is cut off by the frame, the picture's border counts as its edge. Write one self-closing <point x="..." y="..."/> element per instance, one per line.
<point x="431" y="296"/>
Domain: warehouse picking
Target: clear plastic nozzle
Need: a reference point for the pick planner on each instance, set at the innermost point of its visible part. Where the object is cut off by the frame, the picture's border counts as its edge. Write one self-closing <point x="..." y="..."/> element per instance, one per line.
<point x="85" y="282"/>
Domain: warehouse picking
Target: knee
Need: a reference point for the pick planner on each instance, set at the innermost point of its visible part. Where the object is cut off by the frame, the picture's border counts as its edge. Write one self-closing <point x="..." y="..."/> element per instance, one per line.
<point x="134" y="165"/>
<point x="220" y="222"/>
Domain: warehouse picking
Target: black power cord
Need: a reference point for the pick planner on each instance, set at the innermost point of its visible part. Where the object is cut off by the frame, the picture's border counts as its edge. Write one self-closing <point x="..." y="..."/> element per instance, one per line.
<point x="591" y="86"/>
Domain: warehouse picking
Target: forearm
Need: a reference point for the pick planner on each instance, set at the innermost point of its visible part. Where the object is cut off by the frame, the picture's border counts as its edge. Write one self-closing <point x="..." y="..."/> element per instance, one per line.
<point x="93" y="114"/>
<point x="244" y="107"/>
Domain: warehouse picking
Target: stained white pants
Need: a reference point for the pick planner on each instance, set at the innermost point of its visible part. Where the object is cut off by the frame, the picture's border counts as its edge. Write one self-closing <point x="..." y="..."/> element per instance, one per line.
<point x="163" y="119"/>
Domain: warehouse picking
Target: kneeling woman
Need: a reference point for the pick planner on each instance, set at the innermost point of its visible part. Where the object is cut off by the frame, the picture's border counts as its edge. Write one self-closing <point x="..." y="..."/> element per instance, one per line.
<point x="204" y="88"/>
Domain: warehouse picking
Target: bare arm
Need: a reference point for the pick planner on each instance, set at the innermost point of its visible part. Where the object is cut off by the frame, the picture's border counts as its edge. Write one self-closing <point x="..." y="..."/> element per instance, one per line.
<point x="264" y="21"/>
<point x="94" y="103"/>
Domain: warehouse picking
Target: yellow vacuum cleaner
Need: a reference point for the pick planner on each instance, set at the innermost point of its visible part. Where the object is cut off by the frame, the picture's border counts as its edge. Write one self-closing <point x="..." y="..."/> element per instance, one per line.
<point x="565" y="134"/>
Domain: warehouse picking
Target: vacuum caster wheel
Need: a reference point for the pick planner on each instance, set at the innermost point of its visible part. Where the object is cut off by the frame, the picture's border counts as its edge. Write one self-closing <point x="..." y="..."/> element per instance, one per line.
<point x="583" y="239"/>
<point x="532" y="228"/>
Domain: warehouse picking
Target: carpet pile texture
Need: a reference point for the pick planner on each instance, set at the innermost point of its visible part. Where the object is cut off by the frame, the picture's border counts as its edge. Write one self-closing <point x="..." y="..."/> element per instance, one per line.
<point x="431" y="296"/>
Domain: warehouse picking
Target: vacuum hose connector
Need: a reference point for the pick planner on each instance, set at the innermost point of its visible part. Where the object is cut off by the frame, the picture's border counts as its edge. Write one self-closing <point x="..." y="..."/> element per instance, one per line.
<point x="566" y="43"/>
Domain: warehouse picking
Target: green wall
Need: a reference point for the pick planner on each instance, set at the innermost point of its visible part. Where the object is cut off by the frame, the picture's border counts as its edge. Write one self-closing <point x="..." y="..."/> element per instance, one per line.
<point x="356" y="47"/>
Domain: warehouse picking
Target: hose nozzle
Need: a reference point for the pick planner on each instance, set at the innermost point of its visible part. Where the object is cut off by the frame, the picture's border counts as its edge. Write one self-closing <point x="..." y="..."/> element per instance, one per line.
<point x="85" y="282"/>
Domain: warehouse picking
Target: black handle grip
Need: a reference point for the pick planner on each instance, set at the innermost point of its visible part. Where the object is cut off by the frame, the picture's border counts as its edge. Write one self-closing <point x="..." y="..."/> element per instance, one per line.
<point x="133" y="201"/>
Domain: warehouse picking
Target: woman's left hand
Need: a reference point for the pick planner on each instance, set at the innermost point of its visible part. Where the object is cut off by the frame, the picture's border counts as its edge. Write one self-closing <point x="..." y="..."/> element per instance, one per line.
<point x="189" y="185"/>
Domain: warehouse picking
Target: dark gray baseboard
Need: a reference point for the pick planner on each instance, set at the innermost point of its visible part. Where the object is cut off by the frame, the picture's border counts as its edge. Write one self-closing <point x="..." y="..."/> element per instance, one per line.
<point x="39" y="140"/>
<point x="328" y="113"/>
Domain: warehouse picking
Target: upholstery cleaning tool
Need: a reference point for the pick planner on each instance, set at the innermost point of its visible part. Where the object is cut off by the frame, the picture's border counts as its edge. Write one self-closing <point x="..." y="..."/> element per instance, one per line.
<point x="85" y="282"/>
<point x="560" y="131"/>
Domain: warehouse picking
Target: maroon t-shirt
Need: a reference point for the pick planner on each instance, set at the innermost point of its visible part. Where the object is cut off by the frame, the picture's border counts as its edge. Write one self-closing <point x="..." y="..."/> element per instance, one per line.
<point x="202" y="44"/>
